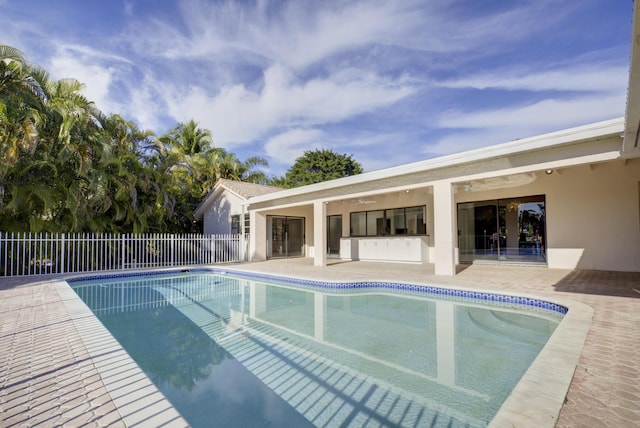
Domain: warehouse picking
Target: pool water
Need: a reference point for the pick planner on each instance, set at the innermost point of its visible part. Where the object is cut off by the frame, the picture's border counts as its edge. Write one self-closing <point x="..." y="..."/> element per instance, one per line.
<point x="246" y="351"/>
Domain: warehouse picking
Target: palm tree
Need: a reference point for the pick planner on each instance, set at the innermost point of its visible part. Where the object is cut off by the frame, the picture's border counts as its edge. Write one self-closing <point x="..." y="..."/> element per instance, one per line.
<point x="20" y="101"/>
<point x="211" y="166"/>
<point x="188" y="139"/>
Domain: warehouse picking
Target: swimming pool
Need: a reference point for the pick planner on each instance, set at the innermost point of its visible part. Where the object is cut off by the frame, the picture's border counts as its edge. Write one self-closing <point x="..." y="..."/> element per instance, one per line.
<point x="251" y="350"/>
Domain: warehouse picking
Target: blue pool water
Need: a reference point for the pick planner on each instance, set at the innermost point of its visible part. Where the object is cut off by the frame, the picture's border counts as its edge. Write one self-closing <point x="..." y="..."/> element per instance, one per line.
<point x="235" y="350"/>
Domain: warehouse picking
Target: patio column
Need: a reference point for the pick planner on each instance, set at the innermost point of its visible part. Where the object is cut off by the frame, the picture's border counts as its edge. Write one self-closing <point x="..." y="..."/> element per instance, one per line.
<point x="444" y="233"/>
<point x="258" y="236"/>
<point x="319" y="233"/>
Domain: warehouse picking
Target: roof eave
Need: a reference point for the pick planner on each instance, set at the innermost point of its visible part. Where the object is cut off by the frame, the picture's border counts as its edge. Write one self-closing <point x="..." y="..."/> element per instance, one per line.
<point x="544" y="141"/>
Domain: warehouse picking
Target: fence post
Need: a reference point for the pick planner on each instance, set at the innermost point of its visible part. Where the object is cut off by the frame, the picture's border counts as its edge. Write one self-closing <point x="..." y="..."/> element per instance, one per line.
<point x="62" y="253"/>
<point x="173" y="249"/>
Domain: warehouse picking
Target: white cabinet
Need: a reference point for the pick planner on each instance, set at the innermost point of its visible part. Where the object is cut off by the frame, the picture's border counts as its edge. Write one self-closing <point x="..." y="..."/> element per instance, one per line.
<point x="405" y="249"/>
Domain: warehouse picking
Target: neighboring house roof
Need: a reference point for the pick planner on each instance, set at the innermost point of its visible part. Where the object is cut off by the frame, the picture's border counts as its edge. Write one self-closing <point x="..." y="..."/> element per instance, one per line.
<point x="239" y="188"/>
<point x="246" y="190"/>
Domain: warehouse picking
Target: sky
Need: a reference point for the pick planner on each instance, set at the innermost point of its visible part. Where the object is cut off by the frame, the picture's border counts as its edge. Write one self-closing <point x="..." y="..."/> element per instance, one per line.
<point x="387" y="82"/>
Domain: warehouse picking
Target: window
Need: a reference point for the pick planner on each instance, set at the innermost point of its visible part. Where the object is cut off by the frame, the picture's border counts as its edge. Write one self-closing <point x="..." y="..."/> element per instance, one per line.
<point x="376" y="223"/>
<point x="396" y="221"/>
<point x="398" y="224"/>
<point x="235" y="224"/>
<point x="359" y="224"/>
<point x="415" y="221"/>
<point x="247" y="224"/>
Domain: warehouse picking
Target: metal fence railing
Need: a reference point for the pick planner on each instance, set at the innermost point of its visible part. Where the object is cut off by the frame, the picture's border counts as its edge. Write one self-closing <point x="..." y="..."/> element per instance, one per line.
<point x="46" y="253"/>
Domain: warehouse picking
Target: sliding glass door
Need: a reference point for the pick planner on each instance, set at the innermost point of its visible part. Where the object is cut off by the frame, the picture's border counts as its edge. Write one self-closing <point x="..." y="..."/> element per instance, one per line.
<point x="334" y="233"/>
<point x="287" y="237"/>
<point x="509" y="230"/>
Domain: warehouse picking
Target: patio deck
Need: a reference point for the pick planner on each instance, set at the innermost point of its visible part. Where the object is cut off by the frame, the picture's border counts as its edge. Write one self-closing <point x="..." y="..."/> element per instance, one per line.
<point x="54" y="357"/>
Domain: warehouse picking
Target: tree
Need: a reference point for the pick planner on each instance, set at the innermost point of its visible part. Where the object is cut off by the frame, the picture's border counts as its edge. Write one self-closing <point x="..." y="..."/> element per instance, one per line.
<point x="317" y="166"/>
<point x="67" y="167"/>
<point x="188" y="139"/>
<point x="194" y="166"/>
<point x="46" y="136"/>
<point x="20" y="102"/>
<point x="211" y="166"/>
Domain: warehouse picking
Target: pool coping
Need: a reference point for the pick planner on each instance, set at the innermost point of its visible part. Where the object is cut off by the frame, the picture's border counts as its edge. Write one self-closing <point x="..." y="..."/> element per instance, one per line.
<point x="136" y="398"/>
<point x="536" y="400"/>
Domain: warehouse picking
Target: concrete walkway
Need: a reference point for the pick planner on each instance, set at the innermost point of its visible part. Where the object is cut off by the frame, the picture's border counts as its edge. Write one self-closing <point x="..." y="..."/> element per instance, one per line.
<point x="49" y="375"/>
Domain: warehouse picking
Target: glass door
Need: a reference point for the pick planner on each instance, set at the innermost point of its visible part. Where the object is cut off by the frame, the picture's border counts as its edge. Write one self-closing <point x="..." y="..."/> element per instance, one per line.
<point x="295" y="237"/>
<point x="466" y="232"/>
<point x="334" y="233"/>
<point x="510" y="230"/>
<point x="287" y="237"/>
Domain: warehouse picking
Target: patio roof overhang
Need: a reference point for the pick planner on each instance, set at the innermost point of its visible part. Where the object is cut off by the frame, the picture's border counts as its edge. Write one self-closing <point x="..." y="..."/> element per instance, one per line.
<point x="593" y="143"/>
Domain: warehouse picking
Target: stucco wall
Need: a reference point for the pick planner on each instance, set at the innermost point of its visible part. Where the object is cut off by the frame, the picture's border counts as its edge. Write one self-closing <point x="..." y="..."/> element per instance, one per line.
<point x="593" y="217"/>
<point x="592" y="212"/>
<point x="217" y="217"/>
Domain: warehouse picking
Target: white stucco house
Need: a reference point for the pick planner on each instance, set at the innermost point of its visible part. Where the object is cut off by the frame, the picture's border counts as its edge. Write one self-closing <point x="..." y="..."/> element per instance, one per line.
<point x="567" y="199"/>
<point x="223" y="210"/>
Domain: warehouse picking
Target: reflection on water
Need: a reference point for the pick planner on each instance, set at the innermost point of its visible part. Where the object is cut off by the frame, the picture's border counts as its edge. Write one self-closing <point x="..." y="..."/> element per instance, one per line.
<point x="249" y="353"/>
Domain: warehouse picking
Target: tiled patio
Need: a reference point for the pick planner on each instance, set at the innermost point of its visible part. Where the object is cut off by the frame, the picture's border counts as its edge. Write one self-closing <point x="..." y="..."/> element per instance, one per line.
<point x="53" y="357"/>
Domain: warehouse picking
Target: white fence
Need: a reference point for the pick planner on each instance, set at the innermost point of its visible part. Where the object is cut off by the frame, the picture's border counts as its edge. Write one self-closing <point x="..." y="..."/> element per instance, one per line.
<point x="43" y="253"/>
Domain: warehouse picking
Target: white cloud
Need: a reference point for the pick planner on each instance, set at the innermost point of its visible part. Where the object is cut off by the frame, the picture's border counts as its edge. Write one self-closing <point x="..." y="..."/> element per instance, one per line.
<point x="97" y="79"/>
<point x="548" y="112"/>
<point x="294" y="33"/>
<point x="128" y="7"/>
<point x="284" y="148"/>
<point x="300" y="34"/>
<point x="238" y="115"/>
<point x="576" y="78"/>
<point x="145" y="106"/>
<point x="476" y="129"/>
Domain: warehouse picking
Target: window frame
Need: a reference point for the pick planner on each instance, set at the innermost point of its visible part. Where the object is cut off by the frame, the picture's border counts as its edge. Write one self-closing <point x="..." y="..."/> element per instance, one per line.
<point x="235" y="224"/>
<point x="387" y="227"/>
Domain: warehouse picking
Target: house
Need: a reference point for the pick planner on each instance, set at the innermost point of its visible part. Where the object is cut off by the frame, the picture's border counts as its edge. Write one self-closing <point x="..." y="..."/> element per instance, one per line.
<point x="222" y="210"/>
<point x="568" y="199"/>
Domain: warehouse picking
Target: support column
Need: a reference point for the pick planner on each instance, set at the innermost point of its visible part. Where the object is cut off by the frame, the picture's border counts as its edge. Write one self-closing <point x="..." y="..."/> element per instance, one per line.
<point x="319" y="233"/>
<point x="258" y="236"/>
<point x="444" y="233"/>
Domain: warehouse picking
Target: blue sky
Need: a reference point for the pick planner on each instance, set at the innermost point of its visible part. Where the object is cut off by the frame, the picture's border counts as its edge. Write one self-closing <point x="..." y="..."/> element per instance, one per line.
<point x="389" y="82"/>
